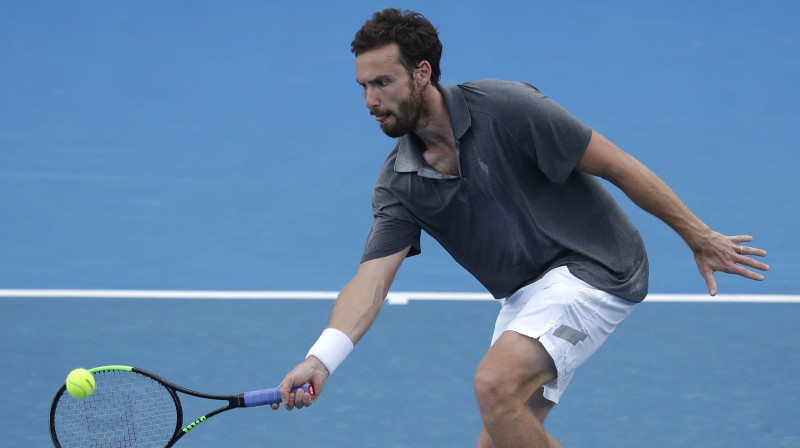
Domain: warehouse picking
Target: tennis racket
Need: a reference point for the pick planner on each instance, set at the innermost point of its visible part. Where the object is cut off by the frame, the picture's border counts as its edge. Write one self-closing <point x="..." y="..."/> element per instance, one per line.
<point x="131" y="407"/>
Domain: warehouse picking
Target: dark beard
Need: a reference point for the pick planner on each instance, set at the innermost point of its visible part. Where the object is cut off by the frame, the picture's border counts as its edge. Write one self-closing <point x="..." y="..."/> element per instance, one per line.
<point x="407" y="117"/>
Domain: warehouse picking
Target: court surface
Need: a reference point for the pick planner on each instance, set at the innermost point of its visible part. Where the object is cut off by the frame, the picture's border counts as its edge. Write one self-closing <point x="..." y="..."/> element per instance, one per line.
<point x="225" y="147"/>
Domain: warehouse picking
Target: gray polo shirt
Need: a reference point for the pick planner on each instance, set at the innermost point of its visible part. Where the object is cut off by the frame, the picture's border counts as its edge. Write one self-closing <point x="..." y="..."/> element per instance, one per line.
<point x="518" y="207"/>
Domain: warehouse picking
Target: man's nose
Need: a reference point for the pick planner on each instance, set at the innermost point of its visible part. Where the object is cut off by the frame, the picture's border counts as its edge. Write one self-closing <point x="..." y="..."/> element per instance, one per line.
<point x="370" y="98"/>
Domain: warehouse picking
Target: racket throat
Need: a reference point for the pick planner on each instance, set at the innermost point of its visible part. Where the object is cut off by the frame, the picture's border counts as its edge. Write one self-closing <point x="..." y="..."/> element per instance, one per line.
<point x="193" y="424"/>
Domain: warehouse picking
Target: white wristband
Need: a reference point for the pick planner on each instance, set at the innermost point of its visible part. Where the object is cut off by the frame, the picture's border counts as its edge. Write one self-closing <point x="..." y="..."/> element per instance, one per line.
<point x="332" y="347"/>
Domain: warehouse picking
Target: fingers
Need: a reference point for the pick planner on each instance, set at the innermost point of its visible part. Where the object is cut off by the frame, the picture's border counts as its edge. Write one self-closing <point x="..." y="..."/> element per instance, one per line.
<point x="286" y="389"/>
<point x="711" y="283"/>
<point x="728" y="254"/>
<point x="302" y="399"/>
<point x="741" y="239"/>
<point x="742" y="249"/>
<point x="298" y="400"/>
<point x="292" y="398"/>
<point x="749" y="262"/>
<point x="309" y="371"/>
<point x="745" y="253"/>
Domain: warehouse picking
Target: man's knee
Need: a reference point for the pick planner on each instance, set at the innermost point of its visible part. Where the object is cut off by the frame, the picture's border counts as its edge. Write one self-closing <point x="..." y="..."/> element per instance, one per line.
<point x="511" y="372"/>
<point x="490" y="384"/>
<point x="495" y="395"/>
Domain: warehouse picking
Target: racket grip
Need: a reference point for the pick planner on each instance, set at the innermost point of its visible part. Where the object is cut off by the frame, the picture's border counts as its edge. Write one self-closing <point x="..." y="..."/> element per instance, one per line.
<point x="273" y="395"/>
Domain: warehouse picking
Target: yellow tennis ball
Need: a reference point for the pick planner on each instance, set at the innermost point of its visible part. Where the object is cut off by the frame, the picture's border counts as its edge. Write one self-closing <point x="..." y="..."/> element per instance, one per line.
<point x="80" y="383"/>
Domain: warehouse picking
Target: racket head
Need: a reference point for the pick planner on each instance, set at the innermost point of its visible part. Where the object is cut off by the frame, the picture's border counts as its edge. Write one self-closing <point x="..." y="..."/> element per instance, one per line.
<point x="128" y="408"/>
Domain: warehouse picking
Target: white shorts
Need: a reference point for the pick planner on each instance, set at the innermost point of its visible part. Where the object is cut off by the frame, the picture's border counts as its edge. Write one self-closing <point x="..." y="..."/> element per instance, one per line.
<point x="567" y="315"/>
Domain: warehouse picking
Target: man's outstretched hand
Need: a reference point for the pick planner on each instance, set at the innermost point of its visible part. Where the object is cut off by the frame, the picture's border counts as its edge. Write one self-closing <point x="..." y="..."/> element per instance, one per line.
<point x="722" y="253"/>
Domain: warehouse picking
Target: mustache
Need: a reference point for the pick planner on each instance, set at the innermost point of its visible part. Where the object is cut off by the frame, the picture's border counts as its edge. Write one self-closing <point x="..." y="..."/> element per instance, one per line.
<point x="375" y="111"/>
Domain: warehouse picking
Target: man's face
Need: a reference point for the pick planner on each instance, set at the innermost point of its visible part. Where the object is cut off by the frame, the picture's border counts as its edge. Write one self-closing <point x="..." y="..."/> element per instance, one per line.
<point x="389" y="90"/>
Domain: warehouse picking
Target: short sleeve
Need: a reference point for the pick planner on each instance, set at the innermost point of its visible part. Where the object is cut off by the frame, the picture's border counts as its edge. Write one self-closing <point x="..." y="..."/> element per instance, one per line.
<point x="548" y="132"/>
<point x="393" y="228"/>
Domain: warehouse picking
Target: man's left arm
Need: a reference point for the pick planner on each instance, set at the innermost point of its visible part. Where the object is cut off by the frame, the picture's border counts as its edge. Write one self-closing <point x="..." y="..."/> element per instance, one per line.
<point x="712" y="251"/>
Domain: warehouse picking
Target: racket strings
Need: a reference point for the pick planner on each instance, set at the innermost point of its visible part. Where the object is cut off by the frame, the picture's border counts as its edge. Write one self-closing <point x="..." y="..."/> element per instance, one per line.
<point x="126" y="410"/>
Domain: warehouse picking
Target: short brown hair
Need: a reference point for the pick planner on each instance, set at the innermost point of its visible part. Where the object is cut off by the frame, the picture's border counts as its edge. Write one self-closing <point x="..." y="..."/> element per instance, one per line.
<point x="413" y="33"/>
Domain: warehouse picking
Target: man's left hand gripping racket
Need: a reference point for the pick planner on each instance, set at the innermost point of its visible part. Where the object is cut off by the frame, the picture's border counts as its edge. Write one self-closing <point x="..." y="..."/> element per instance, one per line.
<point x="131" y="407"/>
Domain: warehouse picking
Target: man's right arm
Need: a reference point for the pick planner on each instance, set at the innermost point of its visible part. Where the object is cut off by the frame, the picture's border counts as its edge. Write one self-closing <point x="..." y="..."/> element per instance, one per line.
<point x="360" y="300"/>
<point x="355" y="310"/>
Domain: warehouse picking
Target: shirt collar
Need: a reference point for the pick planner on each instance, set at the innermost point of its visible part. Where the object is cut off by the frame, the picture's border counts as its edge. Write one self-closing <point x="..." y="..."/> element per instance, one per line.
<point x="409" y="157"/>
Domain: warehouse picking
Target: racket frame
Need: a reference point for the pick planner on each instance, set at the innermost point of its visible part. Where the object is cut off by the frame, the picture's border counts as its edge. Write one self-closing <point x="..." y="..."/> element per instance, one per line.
<point x="234" y="401"/>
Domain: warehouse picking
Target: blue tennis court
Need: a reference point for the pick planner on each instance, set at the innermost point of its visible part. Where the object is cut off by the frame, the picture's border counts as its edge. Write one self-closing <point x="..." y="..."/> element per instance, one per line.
<point x="226" y="147"/>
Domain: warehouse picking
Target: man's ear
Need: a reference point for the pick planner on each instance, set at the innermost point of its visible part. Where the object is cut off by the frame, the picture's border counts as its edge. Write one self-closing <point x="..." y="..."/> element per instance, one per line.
<point x="422" y="74"/>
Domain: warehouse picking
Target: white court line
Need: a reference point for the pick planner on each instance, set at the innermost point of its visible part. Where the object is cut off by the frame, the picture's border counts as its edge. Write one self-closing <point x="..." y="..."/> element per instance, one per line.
<point x="395" y="298"/>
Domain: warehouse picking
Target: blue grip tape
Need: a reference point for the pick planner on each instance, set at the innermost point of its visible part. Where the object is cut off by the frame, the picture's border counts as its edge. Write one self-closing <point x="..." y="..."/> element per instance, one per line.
<point x="267" y="396"/>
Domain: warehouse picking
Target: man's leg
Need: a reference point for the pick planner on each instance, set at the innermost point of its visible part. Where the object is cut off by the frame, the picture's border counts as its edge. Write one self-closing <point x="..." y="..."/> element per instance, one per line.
<point x="508" y="387"/>
<point x="540" y="407"/>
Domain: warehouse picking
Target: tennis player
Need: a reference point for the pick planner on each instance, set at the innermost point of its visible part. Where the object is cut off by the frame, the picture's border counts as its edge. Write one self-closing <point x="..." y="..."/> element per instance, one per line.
<point x="506" y="181"/>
